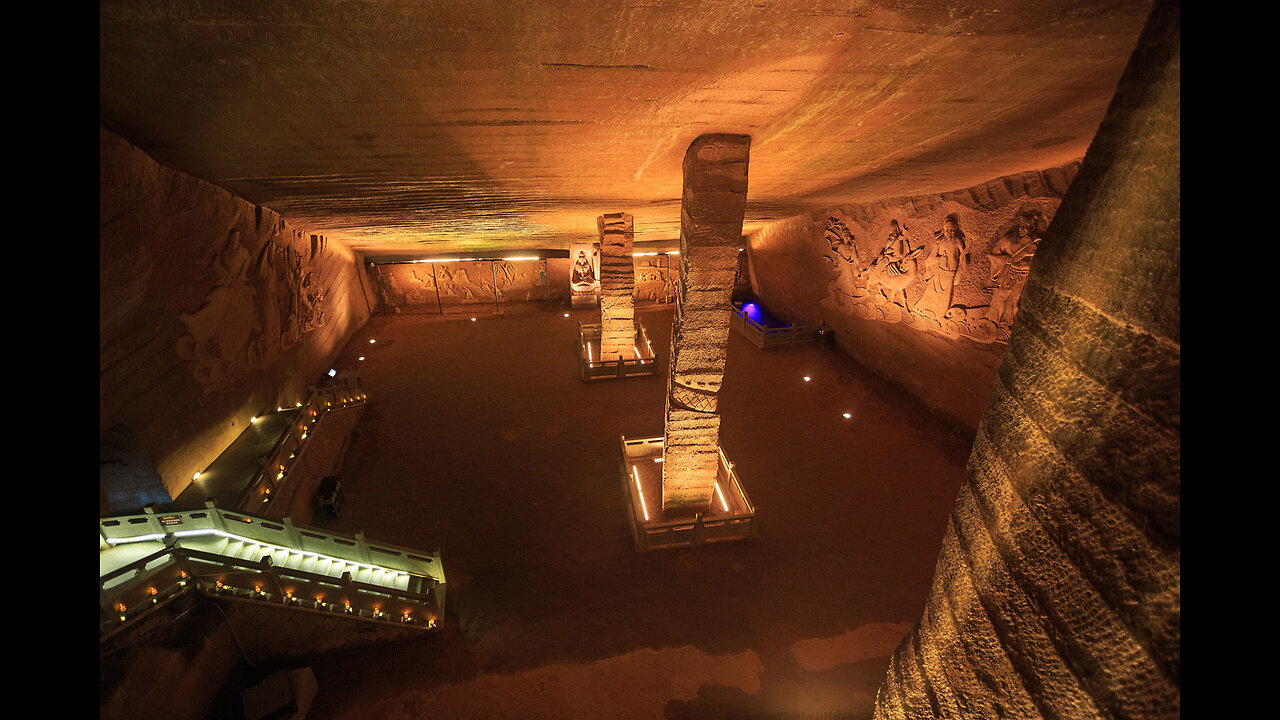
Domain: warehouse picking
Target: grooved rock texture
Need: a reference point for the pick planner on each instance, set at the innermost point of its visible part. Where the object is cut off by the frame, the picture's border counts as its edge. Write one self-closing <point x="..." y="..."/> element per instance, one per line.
<point x="715" y="197"/>
<point x="1057" y="589"/>
<point x="433" y="127"/>
<point x="617" y="287"/>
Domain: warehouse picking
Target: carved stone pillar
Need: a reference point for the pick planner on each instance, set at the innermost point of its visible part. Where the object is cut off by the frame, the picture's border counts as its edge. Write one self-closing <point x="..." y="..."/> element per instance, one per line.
<point x="617" y="287"/>
<point x="711" y="211"/>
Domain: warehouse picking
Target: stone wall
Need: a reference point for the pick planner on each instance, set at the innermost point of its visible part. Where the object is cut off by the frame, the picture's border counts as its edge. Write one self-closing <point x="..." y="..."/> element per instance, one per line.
<point x="922" y="290"/>
<point x="410" y="288"/>
<point x="1057" y="592"/>
<point x="430" y="287"/>
<point x="212" y="309"/>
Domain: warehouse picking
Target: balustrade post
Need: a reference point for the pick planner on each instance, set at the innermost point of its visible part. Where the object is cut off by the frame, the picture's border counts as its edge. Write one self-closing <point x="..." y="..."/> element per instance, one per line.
<point x="269" y="570"/>
<point x="215" y="515"/>
<point x="349" y="585"/>
<point x="153" y="522"/>
<point x="363" y="548"/>
<point x="295" y="538"/>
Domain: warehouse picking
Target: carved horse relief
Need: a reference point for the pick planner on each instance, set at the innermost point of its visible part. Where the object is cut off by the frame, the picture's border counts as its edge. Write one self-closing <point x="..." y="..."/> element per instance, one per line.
<point x="895" y="268"/>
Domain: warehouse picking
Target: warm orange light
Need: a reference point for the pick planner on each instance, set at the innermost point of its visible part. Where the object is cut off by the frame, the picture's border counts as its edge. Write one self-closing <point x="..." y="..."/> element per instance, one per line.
<point x="723" y="504"/>
<point x="643" y="507"/>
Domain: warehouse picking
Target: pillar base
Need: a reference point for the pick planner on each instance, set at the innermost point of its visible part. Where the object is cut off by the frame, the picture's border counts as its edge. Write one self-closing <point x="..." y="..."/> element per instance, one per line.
<point x="730" y="516"/>
<point x="642" y="362"/>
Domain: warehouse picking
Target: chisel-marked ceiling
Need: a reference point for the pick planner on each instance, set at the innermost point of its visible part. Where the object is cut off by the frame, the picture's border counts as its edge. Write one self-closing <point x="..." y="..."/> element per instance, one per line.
<point x="471" y="125"/>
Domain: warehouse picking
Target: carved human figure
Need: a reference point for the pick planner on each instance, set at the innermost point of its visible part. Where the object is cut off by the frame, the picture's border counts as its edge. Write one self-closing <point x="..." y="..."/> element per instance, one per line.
<point x="1010" y="263"/>
<point x="895" y="250"/>
<point x="845" y="257"/>
<point x="890" y="272"/>
<point x="583" y="271"/>
<point x="941" y="269"/>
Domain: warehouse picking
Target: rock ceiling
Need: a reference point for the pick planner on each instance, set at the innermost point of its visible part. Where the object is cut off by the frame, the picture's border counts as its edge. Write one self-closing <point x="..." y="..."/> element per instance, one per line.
<point x="399" y="126"/>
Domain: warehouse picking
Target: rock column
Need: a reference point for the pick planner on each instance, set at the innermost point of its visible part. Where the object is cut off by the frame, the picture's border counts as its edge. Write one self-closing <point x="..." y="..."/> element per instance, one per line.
<point x="1057" y="592"/>
<point x="617" y="287"/>
<point x="711" y="211"/>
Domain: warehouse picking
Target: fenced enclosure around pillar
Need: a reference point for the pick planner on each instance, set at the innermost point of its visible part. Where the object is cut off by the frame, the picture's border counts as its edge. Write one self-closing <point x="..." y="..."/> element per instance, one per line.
<point x="731" y="516"/>
<point x="594" y="368"/>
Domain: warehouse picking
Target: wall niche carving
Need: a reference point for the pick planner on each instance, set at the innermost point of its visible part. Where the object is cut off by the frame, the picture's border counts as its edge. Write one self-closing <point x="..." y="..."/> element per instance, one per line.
<point x="955" y="271"/>
<point x="261" y="304"/>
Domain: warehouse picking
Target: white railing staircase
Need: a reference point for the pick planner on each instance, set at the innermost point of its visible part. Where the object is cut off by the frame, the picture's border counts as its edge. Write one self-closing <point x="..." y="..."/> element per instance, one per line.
<point x="148" y="559"/>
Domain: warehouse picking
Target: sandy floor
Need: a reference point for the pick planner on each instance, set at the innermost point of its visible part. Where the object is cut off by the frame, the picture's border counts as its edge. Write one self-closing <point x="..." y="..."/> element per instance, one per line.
<point x="480" y="439"/>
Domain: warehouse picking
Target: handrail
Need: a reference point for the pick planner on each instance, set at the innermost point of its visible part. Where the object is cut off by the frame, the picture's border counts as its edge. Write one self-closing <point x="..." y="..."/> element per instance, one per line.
<point x="349" y="393"/>
<point x="282" y="534"/>
<point x="148" y="587"/>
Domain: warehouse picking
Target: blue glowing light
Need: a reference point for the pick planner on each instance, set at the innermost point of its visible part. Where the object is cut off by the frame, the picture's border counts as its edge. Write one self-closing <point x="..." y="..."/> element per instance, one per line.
<point x="759" y="316"/>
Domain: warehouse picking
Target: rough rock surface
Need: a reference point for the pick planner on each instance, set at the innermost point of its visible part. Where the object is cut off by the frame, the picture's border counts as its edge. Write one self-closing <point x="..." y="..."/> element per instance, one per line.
<point x="1057" y="589"/>
<point x="617" y="287"/>
<point x="715" y="197"/>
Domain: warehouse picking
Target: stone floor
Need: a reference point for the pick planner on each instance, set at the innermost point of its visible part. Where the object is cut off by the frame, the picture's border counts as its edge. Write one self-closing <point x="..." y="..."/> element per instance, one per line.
<point x="480" y="439"/>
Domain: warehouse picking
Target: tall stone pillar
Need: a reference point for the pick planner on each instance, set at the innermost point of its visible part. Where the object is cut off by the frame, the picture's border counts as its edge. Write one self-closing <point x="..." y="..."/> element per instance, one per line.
<point x="711" y="211"/>
<point x="617" y="287"/>
<point x="1057" y="592"/>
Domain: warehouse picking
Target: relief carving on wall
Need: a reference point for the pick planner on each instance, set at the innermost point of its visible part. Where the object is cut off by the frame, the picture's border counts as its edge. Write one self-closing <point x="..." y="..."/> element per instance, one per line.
<point x="655" y="281"/>
<point x="1010" y="263"/>
<point x="258" y="307"/>
<point x="918" y="282"/>
<point x="424" y="286"/>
